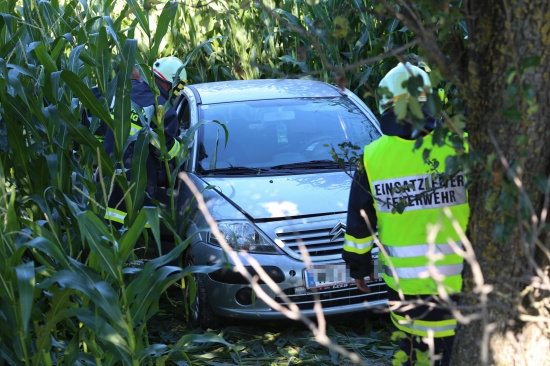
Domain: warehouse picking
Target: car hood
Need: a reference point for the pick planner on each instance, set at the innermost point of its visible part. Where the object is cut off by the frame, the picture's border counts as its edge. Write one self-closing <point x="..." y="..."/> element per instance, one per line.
<point x="272" y="197"/>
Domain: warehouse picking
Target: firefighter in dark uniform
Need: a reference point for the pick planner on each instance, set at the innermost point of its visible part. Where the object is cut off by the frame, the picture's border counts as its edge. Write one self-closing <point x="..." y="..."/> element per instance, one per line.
<point x="168" y="71"/>
<point x="395" y="172"/>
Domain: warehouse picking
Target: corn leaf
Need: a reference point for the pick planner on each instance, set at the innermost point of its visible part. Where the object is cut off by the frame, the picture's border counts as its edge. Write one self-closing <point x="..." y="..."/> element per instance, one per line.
<point x="166" y="18"/>
<point x="25" y="284"/>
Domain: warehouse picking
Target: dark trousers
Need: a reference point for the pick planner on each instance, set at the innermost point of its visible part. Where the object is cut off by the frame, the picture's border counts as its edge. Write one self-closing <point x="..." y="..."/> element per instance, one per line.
<point x="443" y="346"/>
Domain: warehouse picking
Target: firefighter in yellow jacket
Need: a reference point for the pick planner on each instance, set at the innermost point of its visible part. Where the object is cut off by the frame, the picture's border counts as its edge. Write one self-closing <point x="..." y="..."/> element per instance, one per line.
<point x="417" y="261"/>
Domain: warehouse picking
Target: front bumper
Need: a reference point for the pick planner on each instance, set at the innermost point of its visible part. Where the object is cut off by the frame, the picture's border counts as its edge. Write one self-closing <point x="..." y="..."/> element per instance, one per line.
<point x="225" y="290"/>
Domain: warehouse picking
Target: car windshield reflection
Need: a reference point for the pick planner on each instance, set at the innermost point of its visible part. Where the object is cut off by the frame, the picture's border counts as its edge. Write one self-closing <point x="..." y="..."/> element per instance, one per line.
<point x="281" y="133"/>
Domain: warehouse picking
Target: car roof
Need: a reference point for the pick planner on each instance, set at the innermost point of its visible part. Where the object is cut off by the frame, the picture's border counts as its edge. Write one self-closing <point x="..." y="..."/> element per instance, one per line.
<point x="260" y="89"/>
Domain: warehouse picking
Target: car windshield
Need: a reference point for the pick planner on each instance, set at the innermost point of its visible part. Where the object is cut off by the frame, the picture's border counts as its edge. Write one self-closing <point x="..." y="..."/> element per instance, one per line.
<point x="280" y="133"/>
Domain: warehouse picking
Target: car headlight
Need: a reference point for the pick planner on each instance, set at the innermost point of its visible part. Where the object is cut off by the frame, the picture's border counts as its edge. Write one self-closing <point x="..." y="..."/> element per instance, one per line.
<point x="244" y="236"/>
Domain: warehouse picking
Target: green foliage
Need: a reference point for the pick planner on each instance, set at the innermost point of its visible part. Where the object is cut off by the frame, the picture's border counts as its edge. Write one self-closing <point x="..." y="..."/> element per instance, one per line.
<point x="280" y="343"/>
<point x="349" y="157"/>
<point x="422" y="358"/>
<point x="399" y="358"/>
<point x="73" y="288"/>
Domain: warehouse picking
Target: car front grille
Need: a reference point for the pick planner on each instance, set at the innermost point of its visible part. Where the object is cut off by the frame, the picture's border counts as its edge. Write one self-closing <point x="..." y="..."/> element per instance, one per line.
<point x="321" y="240"/>
<point x="335" y="297"/>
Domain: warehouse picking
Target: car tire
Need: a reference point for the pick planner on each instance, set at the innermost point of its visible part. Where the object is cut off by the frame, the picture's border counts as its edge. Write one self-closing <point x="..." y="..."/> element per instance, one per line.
<point x="201" y="314"/>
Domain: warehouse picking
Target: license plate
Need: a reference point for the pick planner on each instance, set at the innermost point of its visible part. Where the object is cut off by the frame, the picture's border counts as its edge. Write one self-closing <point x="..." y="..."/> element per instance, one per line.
<point x="326" y="275"/>
<point x="323" y="275"/>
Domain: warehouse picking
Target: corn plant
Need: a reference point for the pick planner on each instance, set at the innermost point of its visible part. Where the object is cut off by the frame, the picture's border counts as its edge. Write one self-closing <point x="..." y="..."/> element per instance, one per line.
<point x="73" y="289"/>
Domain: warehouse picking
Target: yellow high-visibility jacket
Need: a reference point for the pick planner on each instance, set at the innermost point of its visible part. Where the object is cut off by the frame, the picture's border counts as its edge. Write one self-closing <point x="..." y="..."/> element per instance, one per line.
<point x="418" y="247"/>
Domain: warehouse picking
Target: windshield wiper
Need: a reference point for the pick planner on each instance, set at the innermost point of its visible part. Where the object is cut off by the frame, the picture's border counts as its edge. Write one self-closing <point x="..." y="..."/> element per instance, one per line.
<point x="313" y="164"/>
<point x="235" y="170"/>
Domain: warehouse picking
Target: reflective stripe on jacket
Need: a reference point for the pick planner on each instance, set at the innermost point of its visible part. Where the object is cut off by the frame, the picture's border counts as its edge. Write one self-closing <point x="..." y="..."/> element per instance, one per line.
<point x="399" y="177"/>
<point x="355" y="245"/>
<point x="113" y="214"/>
<point x="438" y="328"/>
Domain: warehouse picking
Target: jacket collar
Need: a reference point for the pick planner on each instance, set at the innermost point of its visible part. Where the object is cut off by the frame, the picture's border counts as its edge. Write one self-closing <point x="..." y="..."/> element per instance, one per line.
<point x="390" y="126"/>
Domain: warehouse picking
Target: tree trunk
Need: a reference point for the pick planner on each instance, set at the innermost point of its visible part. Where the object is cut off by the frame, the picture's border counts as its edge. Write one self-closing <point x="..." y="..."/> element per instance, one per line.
<point x="507" y="201"/>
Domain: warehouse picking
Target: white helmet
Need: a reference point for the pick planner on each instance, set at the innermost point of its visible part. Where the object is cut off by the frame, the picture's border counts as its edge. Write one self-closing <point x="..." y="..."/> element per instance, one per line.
<point x="167" y="68"/>
<point x="395" y="82"/>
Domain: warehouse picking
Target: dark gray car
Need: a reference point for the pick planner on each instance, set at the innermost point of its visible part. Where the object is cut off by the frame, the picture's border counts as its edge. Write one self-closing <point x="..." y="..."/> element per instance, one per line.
<point x="274" y="189"/>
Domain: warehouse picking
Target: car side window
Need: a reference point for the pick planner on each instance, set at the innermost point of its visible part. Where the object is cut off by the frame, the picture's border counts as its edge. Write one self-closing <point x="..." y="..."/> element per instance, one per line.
<point x="184" y="114"/>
